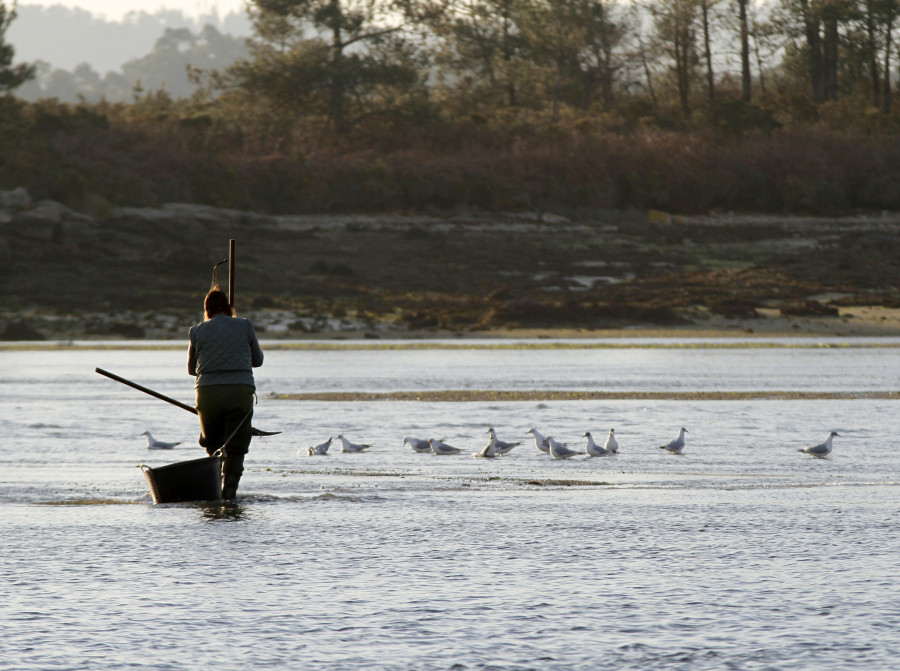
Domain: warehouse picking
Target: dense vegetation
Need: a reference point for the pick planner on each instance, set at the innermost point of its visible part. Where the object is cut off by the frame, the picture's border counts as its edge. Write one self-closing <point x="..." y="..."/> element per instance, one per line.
<point x="564" y="105"/>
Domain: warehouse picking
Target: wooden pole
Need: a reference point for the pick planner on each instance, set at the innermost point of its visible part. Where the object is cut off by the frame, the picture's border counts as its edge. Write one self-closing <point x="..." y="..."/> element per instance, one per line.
<point x="231" y="272"/>
<point x="144" y="389"/>
<point x="169" y="399"/>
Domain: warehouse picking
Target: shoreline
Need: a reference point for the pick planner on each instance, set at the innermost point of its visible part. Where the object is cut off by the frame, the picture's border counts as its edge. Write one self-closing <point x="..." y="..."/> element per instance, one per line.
<point x="651" y="339"/>
<point x="272" y="326"/>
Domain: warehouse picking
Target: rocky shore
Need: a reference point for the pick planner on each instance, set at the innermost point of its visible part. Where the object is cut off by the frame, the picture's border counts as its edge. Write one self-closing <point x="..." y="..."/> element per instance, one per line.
<point x="141" y="273"/>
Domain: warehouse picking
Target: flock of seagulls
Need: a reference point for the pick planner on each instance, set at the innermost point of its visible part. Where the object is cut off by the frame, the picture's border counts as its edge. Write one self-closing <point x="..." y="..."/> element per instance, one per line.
<point x="546" y="444"/>
<point x="558" y="450"/>
<point x="496" y="447"/>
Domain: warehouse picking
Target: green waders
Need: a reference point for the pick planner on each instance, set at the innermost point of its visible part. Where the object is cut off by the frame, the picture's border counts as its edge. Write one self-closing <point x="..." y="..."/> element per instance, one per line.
<point x="221" y="408"/>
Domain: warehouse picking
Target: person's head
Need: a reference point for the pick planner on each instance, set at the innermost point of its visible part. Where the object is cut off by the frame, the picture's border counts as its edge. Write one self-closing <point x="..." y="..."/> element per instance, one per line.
<point x="216" y="303"/>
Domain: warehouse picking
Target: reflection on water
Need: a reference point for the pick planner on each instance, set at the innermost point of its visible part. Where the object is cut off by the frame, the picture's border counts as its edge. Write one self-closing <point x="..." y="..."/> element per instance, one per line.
<point x="225" y="511"/>
<point x="741" y="553"/>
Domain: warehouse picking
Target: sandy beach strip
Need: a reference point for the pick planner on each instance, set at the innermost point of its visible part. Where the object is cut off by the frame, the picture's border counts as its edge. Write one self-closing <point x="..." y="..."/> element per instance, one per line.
<point x="679" y="340"/>
<point x="489" y="396"/>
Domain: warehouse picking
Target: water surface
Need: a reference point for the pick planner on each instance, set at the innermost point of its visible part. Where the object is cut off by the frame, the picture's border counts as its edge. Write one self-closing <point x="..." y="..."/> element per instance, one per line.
<point x="741" y="553"/>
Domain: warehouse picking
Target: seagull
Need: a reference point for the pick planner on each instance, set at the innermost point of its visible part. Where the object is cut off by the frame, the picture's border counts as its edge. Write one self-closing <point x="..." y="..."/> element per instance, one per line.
<point x="611" y="444"/>
<point x="154" y="444"/>
<point x="539" y="440"/>
<point x="321" y="448"/>
<point x="594" y="450"/>
<point x="440" y="447"/>
<point x="490" y="450"/>
<point x="558" y="450"/>
<point x="677" y="445"/>
<point x="418" y="444"/>
<point x="347" y="446"/>
<point x="501" y="445"/>
<point x="822" y="449"/>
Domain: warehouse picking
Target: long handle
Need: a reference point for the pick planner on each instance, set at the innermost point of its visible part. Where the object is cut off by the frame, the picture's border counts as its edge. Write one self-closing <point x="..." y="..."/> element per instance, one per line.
<point x="169" y="399"/>
<point x="144" y="389"/>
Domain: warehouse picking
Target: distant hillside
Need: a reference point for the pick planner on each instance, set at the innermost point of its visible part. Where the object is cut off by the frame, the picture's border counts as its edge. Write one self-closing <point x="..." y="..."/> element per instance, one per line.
<point x="66" y="38"/>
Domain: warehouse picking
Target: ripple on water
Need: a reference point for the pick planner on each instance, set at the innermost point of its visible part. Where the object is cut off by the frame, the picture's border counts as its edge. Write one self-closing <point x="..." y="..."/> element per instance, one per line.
<point x="741" y="553"/>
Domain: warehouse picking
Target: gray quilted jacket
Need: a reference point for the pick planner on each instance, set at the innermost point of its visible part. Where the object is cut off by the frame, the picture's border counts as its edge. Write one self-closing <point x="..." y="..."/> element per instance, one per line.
<point x="224" y="350"/>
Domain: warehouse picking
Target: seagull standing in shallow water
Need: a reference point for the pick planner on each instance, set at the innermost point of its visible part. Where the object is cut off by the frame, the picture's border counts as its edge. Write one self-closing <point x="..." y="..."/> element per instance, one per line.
<point x="347" y="446"/>
<point x="594" y="450"/>
<point x="539" y="440"/>
<point x="822" y="449"/>
<point x="154" y="444"/>
<point x="440" y="447"/>
<point x="490" y="450"/>
<point x="501" y="446"/>
<point x="676" y="446"/>
<point x="558" y="450"/>
<point x="321" y="448"/>
<point x="611" y="443"/>
<point x="418" y="444"/>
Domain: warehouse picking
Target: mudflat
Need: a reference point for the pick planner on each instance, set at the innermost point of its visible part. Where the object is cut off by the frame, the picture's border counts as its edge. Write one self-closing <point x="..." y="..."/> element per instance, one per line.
<point x="142" y="273"/>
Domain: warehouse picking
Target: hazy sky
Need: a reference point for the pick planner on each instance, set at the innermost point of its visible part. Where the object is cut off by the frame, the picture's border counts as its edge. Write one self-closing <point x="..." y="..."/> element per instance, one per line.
<point x="116" y="9"/>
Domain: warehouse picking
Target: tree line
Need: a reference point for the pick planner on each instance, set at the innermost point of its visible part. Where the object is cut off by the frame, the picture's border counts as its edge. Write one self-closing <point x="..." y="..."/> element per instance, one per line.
<point x="386" y="105"/>
<point x="666" y="61"/>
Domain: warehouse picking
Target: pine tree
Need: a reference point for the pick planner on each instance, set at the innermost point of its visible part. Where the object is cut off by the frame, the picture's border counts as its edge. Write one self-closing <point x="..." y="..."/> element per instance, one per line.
<point x="11" y="77"/>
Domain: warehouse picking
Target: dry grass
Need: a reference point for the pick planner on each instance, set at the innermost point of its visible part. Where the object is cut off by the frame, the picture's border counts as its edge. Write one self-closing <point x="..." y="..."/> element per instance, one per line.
<point x="76" y="154"/>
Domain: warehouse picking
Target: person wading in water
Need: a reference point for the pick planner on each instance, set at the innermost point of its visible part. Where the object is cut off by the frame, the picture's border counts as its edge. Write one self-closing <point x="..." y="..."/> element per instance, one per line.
<point x="223" y="352"/>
